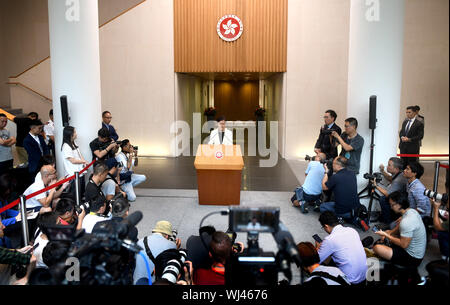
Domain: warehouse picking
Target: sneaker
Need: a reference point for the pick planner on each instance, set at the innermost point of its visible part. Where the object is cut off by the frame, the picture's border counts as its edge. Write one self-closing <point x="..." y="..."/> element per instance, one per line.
<point x="363" y="225"/>
<point x="303" y="207"/>
<point x="316" y="207"/>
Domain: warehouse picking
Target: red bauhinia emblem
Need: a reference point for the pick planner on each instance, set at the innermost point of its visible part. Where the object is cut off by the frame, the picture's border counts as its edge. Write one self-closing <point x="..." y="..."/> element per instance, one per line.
<point x="230" y="27"/>
<point x="219" y="154"/>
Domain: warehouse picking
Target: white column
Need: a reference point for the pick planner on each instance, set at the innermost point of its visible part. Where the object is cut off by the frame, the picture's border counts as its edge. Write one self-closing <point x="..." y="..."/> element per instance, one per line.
<point x="75" y="70"/>
<point x="375" y="68"/>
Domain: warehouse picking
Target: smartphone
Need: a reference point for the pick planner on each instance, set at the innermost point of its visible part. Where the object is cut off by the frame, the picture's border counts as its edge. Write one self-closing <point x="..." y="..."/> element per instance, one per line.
<point x="317" y="238"/>
<point x="34" y="248"/>
<point x="375" y="229"/>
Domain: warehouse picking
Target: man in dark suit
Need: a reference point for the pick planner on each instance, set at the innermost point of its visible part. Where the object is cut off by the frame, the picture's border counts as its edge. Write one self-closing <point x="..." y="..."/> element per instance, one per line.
<point x="35" y="146"/>
<point x="410" y="135"/>
<point x="107" y="117"/>
<point x="326" y="143"/>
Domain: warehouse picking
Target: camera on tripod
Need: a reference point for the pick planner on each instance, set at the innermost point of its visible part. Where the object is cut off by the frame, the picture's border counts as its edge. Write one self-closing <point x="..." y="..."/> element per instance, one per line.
<point x="375" y="176"/>
<point x="442" y="198"/>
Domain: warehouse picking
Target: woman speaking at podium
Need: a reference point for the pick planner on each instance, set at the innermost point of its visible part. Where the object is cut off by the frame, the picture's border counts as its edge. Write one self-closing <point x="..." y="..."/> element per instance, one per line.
<point x="221" y="135"/>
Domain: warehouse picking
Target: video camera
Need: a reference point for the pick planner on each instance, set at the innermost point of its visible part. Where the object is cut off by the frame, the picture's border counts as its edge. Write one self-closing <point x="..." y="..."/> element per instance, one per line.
<point x="105" y="256"/>
<point x="255" y="266"/>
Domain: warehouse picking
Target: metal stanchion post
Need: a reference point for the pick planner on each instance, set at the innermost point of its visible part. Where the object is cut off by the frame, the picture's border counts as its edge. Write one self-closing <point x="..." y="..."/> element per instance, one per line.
<point x="77" y="188"/>
<point x="437" y="165"/>
<point x="23" y="214"/>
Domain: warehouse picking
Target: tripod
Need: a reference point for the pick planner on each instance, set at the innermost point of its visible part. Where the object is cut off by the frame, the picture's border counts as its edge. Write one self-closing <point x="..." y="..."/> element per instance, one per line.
<point x="370" y="188"/>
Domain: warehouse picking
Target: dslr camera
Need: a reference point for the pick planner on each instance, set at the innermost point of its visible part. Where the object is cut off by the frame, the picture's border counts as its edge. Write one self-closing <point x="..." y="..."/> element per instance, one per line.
<point x="375" y="176"/>
<point x="83" y="206"/>
<point x="328" y="162"/>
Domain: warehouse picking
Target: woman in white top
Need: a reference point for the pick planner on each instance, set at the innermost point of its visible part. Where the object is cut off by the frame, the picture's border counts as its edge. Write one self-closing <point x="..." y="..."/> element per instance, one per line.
<point x="73" y="160"/>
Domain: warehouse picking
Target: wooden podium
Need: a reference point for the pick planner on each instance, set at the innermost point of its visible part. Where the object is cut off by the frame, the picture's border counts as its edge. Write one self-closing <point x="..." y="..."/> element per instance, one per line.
<point x="219" y="169"/>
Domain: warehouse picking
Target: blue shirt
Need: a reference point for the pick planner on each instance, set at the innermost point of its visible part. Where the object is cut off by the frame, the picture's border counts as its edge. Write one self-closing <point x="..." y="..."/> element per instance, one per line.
<point x="345" y="248"/>
<point x="313" y="181"/>
<point x="417" y="200"/>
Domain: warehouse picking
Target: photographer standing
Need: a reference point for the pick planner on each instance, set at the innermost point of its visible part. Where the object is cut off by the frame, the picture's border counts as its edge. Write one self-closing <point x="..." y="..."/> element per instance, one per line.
<point x="352" y="144"/>
<point x="326" y="143"/>
<point x="126" y="159"/>
<point x="397" y="182"/>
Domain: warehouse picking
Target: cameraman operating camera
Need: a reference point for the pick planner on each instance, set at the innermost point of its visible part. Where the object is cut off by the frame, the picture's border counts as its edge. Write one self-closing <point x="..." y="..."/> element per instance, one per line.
<point x="311" y="190"/>
<point x="398" y="183"/>
<point x="352" y="144"/>
<point x="126" y="159"/>
<point x="326" y="143"/>
<point x="103" y="147"/>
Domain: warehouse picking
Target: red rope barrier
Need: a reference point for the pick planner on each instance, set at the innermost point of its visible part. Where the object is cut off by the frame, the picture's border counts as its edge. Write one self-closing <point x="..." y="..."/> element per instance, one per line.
<point x="444" y="166"/>
<point x="414" y="155"/>
<point x="17" y="201"/>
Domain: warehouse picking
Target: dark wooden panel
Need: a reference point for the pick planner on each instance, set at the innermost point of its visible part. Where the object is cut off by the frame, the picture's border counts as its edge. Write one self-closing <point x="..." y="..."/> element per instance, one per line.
<point x="236" y="100"/>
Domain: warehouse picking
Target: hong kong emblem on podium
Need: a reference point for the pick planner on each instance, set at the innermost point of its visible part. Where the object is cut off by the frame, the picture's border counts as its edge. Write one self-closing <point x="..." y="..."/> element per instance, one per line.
<point x="219" y="155"/>
<point x="230" y="27"/>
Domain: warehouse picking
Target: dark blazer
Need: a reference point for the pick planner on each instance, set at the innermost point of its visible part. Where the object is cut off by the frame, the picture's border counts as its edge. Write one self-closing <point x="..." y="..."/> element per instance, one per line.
<point x="34" y="153"/>
<point x="112" y="132"/>
<point x="324" y="143"/>
<point x="415" y="133"/>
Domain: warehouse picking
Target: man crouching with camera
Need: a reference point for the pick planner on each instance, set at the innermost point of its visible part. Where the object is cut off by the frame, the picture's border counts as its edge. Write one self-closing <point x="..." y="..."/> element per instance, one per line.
<point x="397" y="182"/>
<point x="127" y="158"/>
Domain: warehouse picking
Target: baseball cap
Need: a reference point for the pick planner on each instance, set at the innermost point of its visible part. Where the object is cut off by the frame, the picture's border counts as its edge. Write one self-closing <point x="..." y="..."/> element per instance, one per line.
<point x="164" y="227"/>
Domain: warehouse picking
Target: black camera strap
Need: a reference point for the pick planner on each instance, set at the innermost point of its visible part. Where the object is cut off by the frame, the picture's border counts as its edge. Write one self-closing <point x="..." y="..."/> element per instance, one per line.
<point x="147" y="250"/>
<point x="339" y="279"/>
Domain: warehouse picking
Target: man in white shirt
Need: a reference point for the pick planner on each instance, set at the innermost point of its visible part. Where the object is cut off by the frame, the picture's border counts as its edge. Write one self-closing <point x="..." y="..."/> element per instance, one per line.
<point x="125" y="158"/>
<point x="45" y="199"/>
<point x="344" y="246"/>
<point x="221" y="135"/>
<point x="49" y="130"/>
<point x="97" y="208"/>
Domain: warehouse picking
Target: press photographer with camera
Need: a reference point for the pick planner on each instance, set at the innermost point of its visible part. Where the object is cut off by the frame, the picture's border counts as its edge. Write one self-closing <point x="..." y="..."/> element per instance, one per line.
<point x="111" y="185"/>
<point x="415" y="188"/>
<point x="126" y="159"/>
<point x="326" y="143"/>
<point x="311" y="190"/>
<point x="344" y="187"/>
<point x="408" y="240"/>
<point x="67" y="215"/>
<point x="441" y="225"/>
<point x="352" y="144"/>
<point x="96" y="214"/>
<point x="397" y="182"/>
<point x="103" y="147"/>
<point x="94" y="186"/>
<point x="344" y="246"/>
<point x="319" y="275"/>
<point x="161" y="239"/>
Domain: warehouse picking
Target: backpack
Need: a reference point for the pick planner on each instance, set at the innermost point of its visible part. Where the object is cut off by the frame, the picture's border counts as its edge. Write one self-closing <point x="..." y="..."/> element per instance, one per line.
<point x="361" y="217"/>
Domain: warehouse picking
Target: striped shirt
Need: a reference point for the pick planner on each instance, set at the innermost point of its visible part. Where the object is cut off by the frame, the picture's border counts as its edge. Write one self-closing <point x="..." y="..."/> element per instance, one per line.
<point x="417" y="200"/>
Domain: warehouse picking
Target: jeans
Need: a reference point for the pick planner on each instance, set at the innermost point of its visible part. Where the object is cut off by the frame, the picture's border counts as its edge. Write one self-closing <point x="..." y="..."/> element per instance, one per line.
<point x="129" y="187"/>
<point x="302" y="196"/>
<point x="330" y="206"/>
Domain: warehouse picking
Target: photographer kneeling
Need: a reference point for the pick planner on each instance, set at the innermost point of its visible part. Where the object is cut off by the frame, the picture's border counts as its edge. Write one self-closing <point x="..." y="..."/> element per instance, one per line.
<point x="345" y="189"/>
<point x="397" y="183"/>
<point x="408" y="239"/>
<point x="311" y="190"/>
<point x="98" y="207"/>
<point x="126" y="159"/>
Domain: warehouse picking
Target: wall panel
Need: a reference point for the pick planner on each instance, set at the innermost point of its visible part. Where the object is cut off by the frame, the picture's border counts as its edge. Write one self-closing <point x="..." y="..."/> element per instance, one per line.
<point x="261" y="48"/>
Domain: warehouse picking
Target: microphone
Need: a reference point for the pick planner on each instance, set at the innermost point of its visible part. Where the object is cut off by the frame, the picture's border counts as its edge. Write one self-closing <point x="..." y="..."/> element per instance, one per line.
<point x="127" y="224"/>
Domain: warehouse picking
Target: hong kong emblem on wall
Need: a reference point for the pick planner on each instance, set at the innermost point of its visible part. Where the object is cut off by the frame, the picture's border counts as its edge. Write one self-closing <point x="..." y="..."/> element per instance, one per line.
<point x="230" y="27"/>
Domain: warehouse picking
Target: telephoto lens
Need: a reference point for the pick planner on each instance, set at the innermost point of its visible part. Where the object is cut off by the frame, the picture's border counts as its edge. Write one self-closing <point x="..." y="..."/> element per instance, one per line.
<point x="442" y="198"/>
<point x="174" y="235"/>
